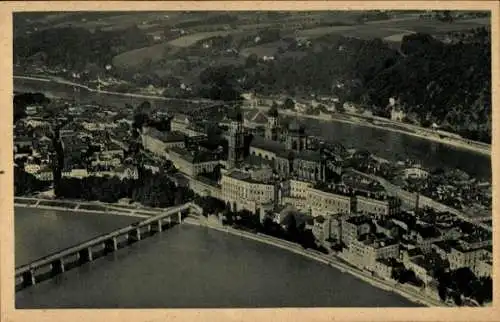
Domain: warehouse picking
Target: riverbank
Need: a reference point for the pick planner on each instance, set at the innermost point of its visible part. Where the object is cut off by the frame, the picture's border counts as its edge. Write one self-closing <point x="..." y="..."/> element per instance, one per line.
<point x="63" y="81"/>
<point x="325" y="259"/>
<point x="388" y="125"/>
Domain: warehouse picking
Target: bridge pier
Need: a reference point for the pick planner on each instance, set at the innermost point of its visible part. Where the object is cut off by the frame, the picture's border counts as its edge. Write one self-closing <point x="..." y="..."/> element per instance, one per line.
<point x="157" y="226"/>
<point x="29" y="278"/>
<point x="134" y="235"/>
<point x="169" y="221"/>
<point x="85" y="255"/>
<point x="57" y="266"/>
<point x="179" y="217"/>
<point x="111" y="244"/>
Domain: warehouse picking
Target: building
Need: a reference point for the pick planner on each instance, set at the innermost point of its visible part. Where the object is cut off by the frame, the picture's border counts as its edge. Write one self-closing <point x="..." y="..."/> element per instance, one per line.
<point x="415" y="173"/>
<point x="364" y="251"/>
<point x="461" y="256"/>
<point x="422" y="267"/>
<point x="327" y="229"/>
<point x="193" y="163"/>
<point x="384" y="206"/>
<point x="70" y="172"/>
<point x="327" y="202"/>
<point x="236" y="140"/>
<point x="298" y="188"/>
<point x="45" y="174"/>
<point x="181" y="124"/>
<point x="239" y="186"/>
<point x="384" y="266"/>
<point x="355" y="226"/>
<point x="484" y="268"/>
<point x="160" y="142"/>
<point x="296" y="138"/>
<point x="272" y="127"/>
<point x="425" y="236"/>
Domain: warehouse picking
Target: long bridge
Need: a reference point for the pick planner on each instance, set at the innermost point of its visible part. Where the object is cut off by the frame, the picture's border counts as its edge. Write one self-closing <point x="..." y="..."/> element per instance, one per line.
<point x="77" y="255"/>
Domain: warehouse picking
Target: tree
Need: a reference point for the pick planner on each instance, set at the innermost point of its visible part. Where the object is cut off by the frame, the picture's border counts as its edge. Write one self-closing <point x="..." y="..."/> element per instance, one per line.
<point x="251" y="61"/>
<point x="289" y="104"/>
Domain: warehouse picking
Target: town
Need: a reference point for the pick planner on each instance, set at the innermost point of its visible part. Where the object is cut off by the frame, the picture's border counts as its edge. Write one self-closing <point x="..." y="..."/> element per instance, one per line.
<point x="254" y="166"/>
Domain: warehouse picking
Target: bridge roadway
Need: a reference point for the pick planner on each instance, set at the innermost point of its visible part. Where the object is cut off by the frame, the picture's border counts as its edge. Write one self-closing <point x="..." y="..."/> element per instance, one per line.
<point x="58" y="262"/>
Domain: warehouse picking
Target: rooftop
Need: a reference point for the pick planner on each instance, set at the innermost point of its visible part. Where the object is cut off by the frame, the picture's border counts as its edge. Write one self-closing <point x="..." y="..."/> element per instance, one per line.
<point x="199" y="156"/>
<point x="245" y="176"/>
<point x="427" y="231"/>
<point x="359" y="220"/>
<point x="165" y="136"/>
<point x="377" y="240"/>
<point x="446" y="245"/>
<point x="272" y="146"/>
<point x="423" y="262"/>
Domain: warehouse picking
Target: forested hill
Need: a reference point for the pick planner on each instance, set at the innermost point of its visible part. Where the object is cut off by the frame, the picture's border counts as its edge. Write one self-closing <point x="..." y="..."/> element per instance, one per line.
<point x="444" y="83"/>
<point x="449" y="84"/>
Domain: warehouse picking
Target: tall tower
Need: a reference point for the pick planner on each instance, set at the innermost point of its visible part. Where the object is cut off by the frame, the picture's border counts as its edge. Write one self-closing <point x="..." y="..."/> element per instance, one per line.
<point x="236" y="139"/>
<point x="272" y="127"/>
<point x="296" y="139"/>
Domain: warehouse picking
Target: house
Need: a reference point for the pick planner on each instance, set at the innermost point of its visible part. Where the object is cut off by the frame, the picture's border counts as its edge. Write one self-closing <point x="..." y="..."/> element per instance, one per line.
<point x="425" y="236"/>
<point x="422" y="267"/>
<point x="415" y="173"/>
<point x="355" y="226"/>
<point x="384" y="267"/>
<point x="364" y="251"/>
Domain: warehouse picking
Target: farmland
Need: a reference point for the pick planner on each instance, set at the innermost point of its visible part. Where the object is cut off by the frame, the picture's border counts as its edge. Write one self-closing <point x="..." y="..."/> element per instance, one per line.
<point x="137" y="57"/>
<point x="189" y="40"/>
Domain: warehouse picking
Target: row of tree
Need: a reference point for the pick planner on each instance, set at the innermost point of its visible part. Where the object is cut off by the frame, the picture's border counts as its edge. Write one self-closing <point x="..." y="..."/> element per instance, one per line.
<point x="153" y="190"/>
<point x="463" y="282"/>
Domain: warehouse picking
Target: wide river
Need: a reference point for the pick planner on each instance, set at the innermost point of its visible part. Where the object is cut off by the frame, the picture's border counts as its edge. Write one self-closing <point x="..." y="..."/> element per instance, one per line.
<point x="186" y="266"/>
<point x="386" y="144"/>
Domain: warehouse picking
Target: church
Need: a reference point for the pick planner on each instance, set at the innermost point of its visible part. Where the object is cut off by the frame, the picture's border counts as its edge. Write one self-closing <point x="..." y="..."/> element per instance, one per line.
<point x="284" y="148"/>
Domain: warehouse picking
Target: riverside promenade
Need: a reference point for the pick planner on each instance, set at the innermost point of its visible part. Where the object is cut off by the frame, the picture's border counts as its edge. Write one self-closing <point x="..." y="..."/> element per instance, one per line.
<point x="331" y="260"/>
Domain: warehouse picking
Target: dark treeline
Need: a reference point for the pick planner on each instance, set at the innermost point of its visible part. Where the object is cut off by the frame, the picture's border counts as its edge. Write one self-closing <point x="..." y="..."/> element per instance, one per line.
<point x="26" y="183"/>
<point x="153" y="190"/>
<point x="76" y="48"/>
<point x="21" y="101"/>
<point x="462" y="281"/>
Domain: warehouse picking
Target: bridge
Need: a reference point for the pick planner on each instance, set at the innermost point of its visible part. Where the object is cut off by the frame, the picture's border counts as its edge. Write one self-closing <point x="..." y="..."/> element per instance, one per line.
<point x="57" y="263"/>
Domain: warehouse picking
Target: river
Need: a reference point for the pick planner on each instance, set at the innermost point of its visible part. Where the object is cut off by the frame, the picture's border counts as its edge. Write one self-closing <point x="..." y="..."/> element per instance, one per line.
<point x="184" y="267"/>
<point x="390" y="145"/>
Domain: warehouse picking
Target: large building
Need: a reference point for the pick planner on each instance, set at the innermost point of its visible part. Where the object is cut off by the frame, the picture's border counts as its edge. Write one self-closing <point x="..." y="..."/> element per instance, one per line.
<point x="365" y="250"/>
<point x="239" y="188"/>
<point x="379" y="206"/>
<point x="159" y="142"/>
<point x="193" y="163"/>
<point x="324" y="202"/>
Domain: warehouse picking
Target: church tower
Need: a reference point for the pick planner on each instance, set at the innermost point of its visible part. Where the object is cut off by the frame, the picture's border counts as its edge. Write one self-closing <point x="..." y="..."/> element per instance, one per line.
<point x="272" y="127"/>
<point x="296" y="138"/>
<point x="236" y="139"/>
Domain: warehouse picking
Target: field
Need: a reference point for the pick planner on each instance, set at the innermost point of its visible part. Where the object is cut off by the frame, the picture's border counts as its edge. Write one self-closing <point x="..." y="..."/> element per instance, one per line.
<point x="136" y="57"/>
<point x="393" y="30"/>
<point x="189" y="40"/>
<point x="268" y="49"/>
